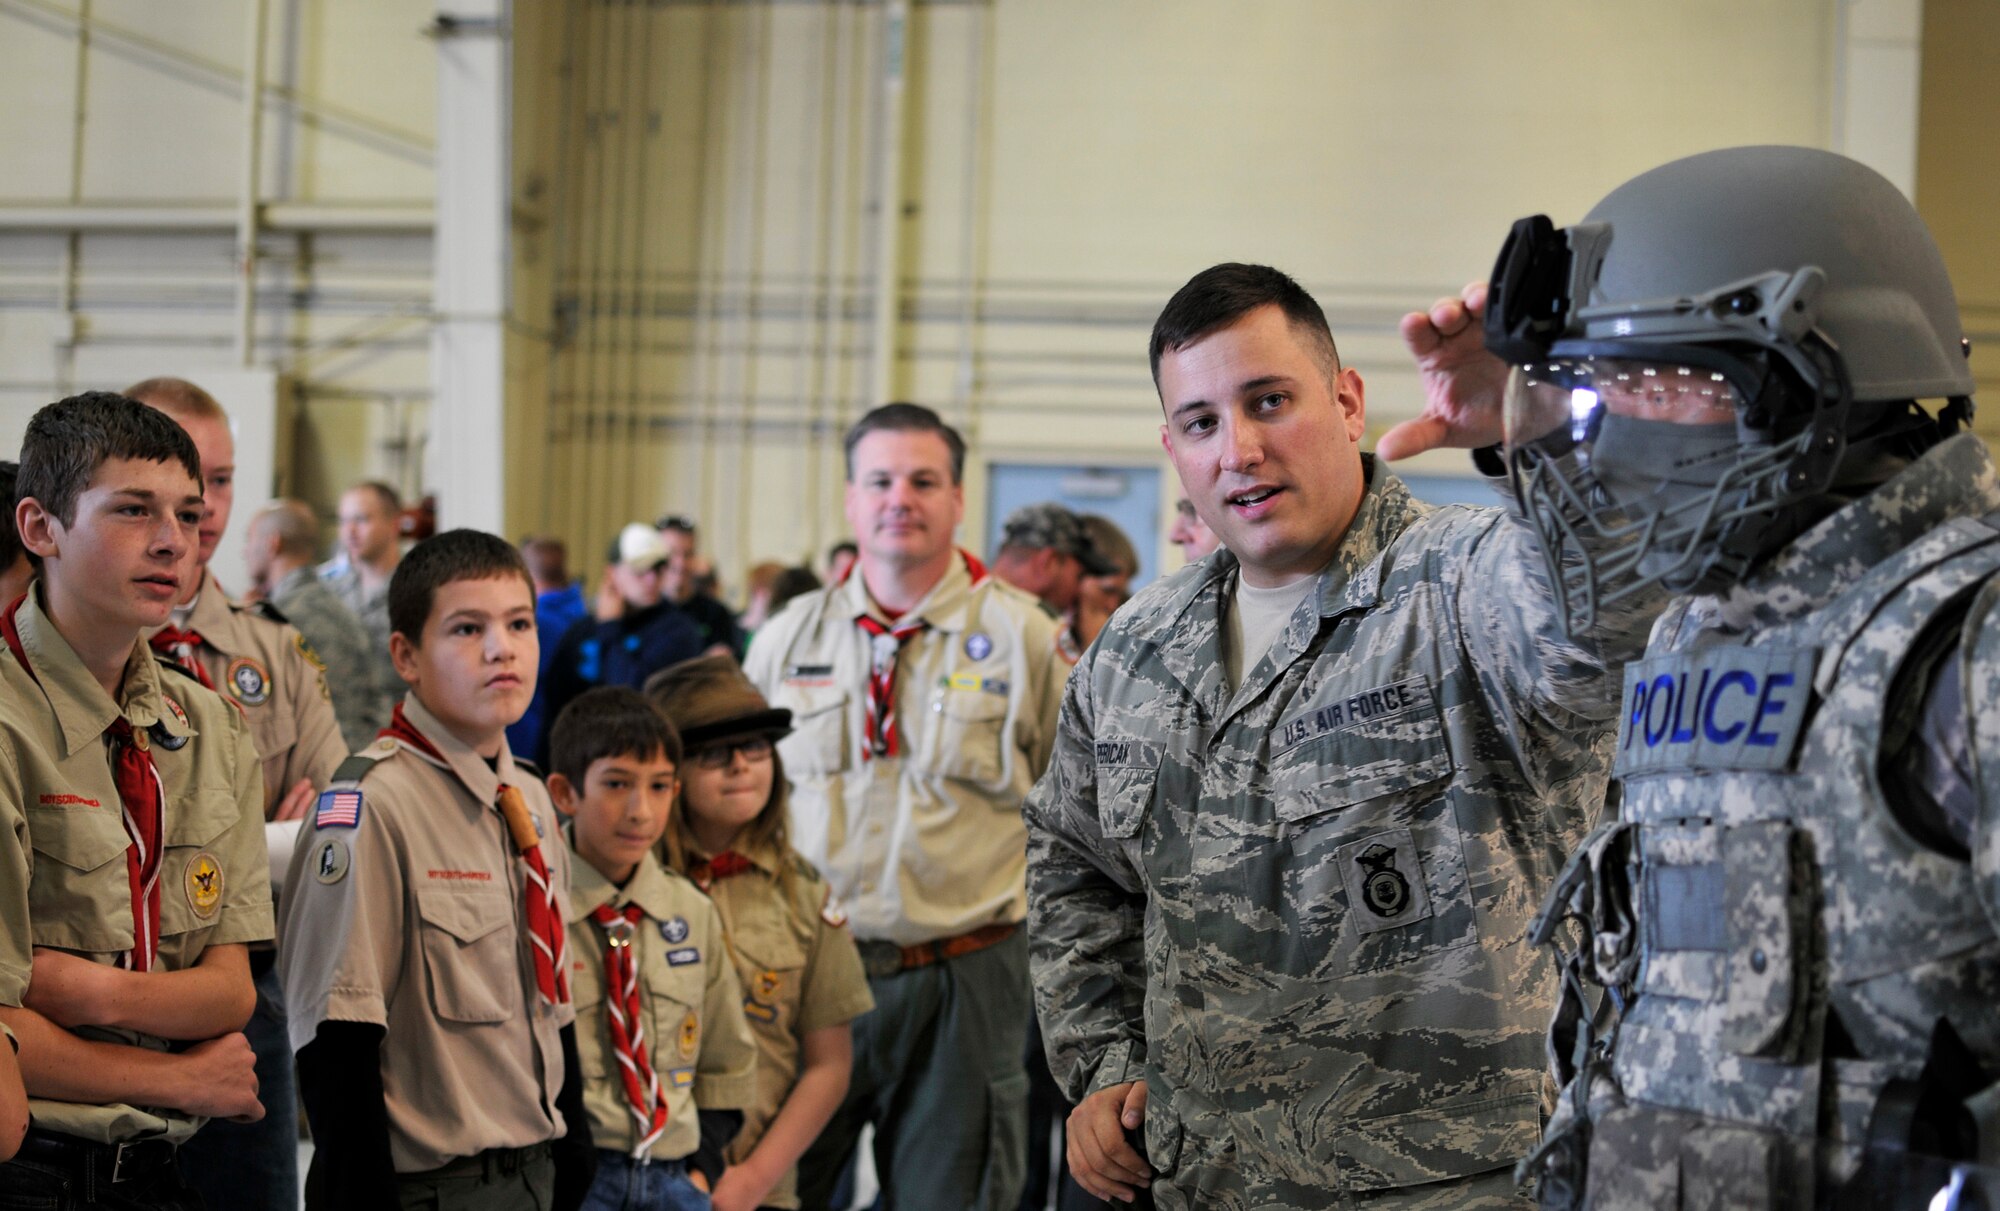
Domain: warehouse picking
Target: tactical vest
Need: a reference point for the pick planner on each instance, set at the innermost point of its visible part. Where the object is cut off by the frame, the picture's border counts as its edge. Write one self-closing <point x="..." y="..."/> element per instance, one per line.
<point x="1757" y="906"/>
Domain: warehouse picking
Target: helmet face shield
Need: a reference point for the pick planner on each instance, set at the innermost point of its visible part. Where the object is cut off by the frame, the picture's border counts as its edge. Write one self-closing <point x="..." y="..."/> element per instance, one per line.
<point x="1636" y="466"/>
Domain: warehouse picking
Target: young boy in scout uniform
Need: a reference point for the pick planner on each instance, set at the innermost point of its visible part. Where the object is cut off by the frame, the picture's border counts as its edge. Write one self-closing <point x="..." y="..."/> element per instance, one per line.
<point x="131" y="848"/>
<point x="667" y="1058"/>
<point x="800" y="971"/>
<point x="252" y="657"/>
<point x="423" y="946"/>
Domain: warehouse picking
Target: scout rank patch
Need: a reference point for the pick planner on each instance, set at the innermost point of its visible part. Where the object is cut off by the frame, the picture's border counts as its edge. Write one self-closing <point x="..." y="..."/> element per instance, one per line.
<point x="339" y="807"/>
<point x="249" y="681"/>
<point x="331" y="860"/>
<point x="204" y="884"/>
<point x="690" y="1035"/>
<point x="768" y="983"/>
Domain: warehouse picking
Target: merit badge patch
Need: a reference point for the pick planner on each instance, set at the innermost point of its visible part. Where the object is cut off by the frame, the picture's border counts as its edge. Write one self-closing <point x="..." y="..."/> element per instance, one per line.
<point x="768" y="983"/>
<point x="978" y="645"/>
<point x="1385" y="883"/>
<point x="339" y="807"/>
<point x="249" y="681"/>
<point x="204" y="884"/>
<point x="331" y="860"/>
<point x="690" y="1035"/>
<point x="831" y="912"/>
<point x="683" y="956"/>
<point x="674" y="930"/>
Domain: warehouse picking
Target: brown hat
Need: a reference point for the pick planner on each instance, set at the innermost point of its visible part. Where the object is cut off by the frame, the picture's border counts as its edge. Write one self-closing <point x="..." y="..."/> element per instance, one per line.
<point x="709" y="699"/>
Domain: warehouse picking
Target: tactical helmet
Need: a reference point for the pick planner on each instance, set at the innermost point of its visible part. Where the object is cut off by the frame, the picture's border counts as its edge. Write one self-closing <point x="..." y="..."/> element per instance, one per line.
<point x="1696" y="359"/>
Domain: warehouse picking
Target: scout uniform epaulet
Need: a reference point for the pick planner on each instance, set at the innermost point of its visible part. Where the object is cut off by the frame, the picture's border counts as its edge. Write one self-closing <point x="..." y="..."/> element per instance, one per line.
<point x="340" y="804"/>
<point x="805" y="868"/>
<point x="357" y="766"/>
<point x="523" y="763"/>
<point x="264" y="609"/>
<point x="175" y="666"/>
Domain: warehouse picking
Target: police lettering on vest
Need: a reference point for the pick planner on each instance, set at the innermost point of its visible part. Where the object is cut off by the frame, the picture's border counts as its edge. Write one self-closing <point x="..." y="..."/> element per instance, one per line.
<point x="1715" y="709"/>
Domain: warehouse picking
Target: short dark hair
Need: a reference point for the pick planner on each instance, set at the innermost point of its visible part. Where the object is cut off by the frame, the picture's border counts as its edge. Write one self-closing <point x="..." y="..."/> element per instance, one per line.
<point x="10" y="537"/>
<point x="609" y="721"/>
<point x="438" y="561"/>
<point x="678" y="524"/>
<point x="70" y="439"/>
<point x="1222" y="294"/>
<point x="790" y="583"/>
<point x="907" y="418"/>
<point x="845" y="546"/>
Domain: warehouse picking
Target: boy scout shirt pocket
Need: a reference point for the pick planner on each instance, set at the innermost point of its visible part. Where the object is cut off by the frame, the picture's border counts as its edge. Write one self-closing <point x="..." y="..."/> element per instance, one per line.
<point x="73" y="844"/>
<point x="965" y="735"/>
<point x="192" y="881"/>
<point x="818" y="743"/>
<point x="469" y="954"/>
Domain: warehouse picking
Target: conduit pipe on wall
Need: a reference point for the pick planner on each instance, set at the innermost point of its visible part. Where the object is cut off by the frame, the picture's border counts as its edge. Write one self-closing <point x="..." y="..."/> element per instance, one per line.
<point x="889" y="203"/>
<point x="246" y="204"/>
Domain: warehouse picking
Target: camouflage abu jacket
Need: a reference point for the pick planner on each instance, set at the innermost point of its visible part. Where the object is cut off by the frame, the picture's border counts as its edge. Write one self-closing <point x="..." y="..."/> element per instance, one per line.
<point x="1298" y="912"/>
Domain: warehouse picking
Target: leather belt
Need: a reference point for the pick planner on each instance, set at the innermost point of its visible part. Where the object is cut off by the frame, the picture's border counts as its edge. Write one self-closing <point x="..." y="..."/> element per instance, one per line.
<point x="884" y="959"/>
<point x="101" y="1164"/>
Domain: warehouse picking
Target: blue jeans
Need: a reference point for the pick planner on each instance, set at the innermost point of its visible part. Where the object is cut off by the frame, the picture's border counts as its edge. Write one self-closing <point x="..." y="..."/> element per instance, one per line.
<point x="255" y="1166"/>
<point x="624" y="1184"/>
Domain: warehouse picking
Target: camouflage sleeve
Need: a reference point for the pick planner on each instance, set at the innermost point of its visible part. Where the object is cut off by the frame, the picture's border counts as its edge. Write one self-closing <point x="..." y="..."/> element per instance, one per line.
<point x="1549" y="693"/>
<point x="1979" y="672"/>
<point x="1086" y="916"/>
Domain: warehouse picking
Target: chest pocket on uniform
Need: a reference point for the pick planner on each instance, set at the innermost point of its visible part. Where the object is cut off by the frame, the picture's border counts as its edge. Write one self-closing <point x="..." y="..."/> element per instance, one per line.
<point x="470" y="954"/>
<point x="966" y="728"/>
<point x="771" y="966"/>
<point x="674" y="997"/>
<point x="192" y="881"/>
<point x="1127" y="772"/>
<point x="1364" y="822"/>
<point x="818" y="743"/>
<point x="72" y="846"/>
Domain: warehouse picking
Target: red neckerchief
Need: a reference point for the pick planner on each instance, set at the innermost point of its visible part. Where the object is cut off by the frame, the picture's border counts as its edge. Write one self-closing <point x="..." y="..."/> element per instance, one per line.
<point x="643" y="1095"/>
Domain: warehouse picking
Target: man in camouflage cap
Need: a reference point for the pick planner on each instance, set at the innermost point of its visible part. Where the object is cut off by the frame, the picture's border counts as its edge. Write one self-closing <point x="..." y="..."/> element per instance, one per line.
<point x="1797" y="912"/>
<point x="1045" y="550"/>
<point x="1307" y="793"/>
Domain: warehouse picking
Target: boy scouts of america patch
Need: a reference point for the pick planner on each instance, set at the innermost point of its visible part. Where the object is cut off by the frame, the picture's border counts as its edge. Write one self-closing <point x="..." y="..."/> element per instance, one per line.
<point x="674" y="930"/>
<point x="978" y="646"/>
<point x="339" y="807"/>
<point x="204" y="884"/>
<point x="331" y="860"/>
<point x="1385" y="882"/>
<point x="690" y="1035"/>
<point x="249" y="681"/>
<point x="831" y="912"/>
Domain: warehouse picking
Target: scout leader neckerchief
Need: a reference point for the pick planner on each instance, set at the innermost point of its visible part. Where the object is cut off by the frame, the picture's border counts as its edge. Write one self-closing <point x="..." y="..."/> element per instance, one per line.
<point x="180" y="646"/>
<point x="144" y="801"/>
<point x="538" y="892"/>
<point x="643" y="1095"/>
<point x="879" y="728"/>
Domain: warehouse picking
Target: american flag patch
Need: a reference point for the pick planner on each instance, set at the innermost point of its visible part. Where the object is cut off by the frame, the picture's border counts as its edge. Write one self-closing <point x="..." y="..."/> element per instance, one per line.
<point x="338" y="809"/>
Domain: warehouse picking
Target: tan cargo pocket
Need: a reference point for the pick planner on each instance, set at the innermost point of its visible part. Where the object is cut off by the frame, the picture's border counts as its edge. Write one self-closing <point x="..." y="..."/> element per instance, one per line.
<point x="818" y="743"/>
<point x="471" y="954"/>
<point x="966" y="733"/>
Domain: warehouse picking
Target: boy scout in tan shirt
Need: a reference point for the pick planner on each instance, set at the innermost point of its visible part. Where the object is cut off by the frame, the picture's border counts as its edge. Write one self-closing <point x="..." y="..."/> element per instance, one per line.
<point x="131" y="855"/>
<point x="422" y="951"/>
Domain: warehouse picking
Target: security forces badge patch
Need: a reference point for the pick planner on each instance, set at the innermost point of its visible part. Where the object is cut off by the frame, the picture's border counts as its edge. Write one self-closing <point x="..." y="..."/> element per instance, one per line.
<point x="1384" y="881"/>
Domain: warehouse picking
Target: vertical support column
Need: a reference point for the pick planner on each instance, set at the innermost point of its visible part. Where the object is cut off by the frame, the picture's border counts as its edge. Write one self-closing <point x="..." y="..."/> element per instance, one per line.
<point x="467" y="446"/>
<point x="249" y="214"/>
<point x="1878" y="66"/>
<point x="889" y="198"/>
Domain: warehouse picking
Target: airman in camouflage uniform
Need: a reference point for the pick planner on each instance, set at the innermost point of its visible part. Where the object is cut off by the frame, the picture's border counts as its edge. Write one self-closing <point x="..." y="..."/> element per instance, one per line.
<point x="1797" y="912"/>
<point x="1294" y="909"/>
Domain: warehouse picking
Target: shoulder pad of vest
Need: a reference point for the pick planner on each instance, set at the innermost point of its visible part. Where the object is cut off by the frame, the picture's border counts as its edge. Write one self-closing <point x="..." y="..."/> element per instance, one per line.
<point x="358" y="765"/>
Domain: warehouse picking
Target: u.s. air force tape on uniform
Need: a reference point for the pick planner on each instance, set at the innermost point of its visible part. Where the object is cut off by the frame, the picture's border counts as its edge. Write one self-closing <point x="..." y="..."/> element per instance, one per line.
<point x="1714" y="709"/>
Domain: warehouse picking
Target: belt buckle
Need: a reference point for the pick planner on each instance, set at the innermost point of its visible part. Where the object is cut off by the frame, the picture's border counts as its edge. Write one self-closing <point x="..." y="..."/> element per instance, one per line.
<point x="118" y="1154"/>
<point x="880" y="960"/>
